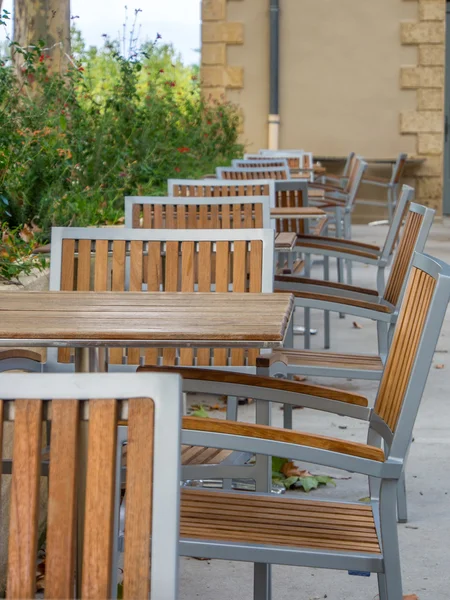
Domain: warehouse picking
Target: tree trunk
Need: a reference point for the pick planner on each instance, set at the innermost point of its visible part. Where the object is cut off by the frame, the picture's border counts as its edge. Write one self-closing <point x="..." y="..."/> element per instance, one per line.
<point x="47" y="20"/>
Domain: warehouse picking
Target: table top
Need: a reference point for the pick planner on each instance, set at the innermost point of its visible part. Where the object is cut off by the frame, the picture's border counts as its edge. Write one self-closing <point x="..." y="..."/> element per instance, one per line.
<point x="144" y="319"/>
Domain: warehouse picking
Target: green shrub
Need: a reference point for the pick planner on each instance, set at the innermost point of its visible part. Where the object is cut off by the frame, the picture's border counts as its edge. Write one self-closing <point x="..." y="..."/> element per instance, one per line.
<point x="74" y="144"/>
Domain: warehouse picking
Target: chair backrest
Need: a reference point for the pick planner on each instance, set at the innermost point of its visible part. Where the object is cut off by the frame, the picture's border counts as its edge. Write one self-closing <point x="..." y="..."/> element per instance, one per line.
<point x="295" y="161"/>
<point x="354" y="181"/>
<point x="348" y="164"/>
<point x="411" y="352"/>
<point x="153" y="475"/>
<point x="398" y="168"/>
<point x="290" y="194"/>
<point x="412" y="239"/>
<point x="305" y="163"/>
<point x="236" y="212"/>
<point x="172" y="260"/>
<point x="255" y="173"/>
<point x="218" y="188"/>
<point x="259" y="163"/>
<point x="401" y="210"/>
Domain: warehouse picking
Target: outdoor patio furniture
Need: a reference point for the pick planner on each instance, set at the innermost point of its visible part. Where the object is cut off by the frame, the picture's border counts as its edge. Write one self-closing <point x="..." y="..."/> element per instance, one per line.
<point x="390" y="185"/>
<point x="339" y="181"/>
<point x="267" y="529"/>
<point x="300" y="162"/>
<point x="151" y="405"/>
<point x="263" y="172"/>
<point x="363" y="302"/>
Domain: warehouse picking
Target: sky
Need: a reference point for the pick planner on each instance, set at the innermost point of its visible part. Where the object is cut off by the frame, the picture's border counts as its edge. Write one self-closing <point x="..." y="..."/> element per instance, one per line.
<point x="177" y="21"/>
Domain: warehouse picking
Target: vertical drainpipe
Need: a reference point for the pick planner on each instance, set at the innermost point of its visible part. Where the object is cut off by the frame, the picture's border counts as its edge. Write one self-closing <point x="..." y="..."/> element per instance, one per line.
<point x="274" y="92"/>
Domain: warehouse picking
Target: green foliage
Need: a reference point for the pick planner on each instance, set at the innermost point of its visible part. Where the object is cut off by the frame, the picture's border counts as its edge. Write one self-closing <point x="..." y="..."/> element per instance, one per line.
<point x="75" y="143"/>
<point x="16" y="253"/>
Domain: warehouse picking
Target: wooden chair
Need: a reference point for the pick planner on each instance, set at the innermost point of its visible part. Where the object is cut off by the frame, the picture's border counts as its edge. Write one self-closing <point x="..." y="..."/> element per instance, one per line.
<point x="300" y="162"/>
<point x="153" y="475"/>
<point x="262" y="162"/>
<point x="315" y="293"/>
<point x="339" y="181"/>
<point x="261" y="172"/>
<point x="390" y="185"/>
<point x="267" y="529"/>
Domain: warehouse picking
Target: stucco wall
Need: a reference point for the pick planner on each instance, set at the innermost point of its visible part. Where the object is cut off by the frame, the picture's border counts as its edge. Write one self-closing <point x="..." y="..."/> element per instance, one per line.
<point x="366" y="76"/>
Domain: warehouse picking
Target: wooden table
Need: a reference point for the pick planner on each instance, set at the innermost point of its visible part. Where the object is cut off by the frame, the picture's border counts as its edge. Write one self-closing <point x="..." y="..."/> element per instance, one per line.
<point x="143" y="319"/>
<point x="88" y="320"/>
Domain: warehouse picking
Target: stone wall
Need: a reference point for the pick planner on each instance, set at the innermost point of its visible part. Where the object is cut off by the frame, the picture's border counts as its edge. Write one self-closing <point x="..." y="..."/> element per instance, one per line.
<point x="427" y="77"/>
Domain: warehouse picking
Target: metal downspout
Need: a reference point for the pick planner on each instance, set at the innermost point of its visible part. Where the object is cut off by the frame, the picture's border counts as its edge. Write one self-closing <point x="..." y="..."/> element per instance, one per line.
<point x="274" y="91"/>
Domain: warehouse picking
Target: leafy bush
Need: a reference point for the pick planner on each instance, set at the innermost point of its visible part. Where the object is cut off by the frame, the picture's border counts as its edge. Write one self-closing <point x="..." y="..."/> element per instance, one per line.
<point x="75" y="143"/>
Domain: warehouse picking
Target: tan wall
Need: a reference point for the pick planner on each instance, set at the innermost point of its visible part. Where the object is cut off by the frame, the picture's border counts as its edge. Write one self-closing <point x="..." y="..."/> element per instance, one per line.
<point x="354" y="75"/>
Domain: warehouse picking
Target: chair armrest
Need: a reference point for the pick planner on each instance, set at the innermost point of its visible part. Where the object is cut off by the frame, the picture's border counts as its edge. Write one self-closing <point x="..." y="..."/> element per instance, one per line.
<point x="20" y="353"/>
<point x="306" y="447"/>
<point x="376" y="180"/>
<point x="332" y="248"/>
<point x="265" y="432"/>
<point x="342" y="304"/>
<point x="325" y="187"/>
<point x="306" y="283"/>
<point x="341" y="242"/>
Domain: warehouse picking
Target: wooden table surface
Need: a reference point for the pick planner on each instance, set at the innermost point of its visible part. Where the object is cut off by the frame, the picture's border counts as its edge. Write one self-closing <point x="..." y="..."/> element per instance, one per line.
<point x="80" y="319"/>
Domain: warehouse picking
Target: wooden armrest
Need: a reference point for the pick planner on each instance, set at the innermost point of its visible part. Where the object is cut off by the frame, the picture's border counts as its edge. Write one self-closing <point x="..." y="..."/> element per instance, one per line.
<point x="264" y="432"/>
<point x="274" y="383"/>
<point x="315" y="193"/>
<point x="325" y="187"/>
<point x="323" y="283"/>
<point x="302" y="243"/>
<point x="285" y="240"/>
<point x="354" y="243"/>
<point x="20" y="353"/>
<point x="382" y="308"/>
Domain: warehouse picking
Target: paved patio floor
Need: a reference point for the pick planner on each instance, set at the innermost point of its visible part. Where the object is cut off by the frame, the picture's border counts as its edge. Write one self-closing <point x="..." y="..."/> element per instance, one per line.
<point x="425" y="538"/>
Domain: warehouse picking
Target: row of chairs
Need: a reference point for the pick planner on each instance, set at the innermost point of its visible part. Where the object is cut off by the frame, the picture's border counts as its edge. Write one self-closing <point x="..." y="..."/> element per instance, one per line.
<point x="146" y="257"/>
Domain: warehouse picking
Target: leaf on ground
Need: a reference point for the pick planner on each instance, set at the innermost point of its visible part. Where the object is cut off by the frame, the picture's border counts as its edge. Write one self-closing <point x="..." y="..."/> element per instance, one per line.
<point x="217" y="407"/>
<point x="299" y="378"/>
<point x="439" y="366"/>
<point x="308" y="483"/>
<point x="289" y="469"/>
<point x="200" y="412"/>
<point x="366" y="499"/>
<point x="356" y="325"/>
<point x="411" y="597"/>
<point x="325" y="480"/>
<point x="277" y="463"/>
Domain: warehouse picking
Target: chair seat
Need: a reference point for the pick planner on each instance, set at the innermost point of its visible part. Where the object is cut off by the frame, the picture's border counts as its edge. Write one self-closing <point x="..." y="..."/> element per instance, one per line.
<point x="276" y="521"/>
<point x="198" y="455"/>
<point x="371" y="362"/>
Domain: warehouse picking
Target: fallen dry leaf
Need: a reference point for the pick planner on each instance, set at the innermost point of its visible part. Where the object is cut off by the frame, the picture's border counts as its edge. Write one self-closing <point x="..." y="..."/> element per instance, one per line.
<point x="411" y="597"/>
<point x="217" y="407"/>
<point x="299" y="378"/>
<point x="356" y="325"/>
<point x="439" y="366"/>
<point x="289" y="469"/>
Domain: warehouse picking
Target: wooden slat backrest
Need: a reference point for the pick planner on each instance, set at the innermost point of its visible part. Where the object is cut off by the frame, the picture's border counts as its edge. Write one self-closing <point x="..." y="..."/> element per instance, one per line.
<point x="231" y="173"/>
<point x="398" y="169"/>
<point x="354" y="180"/>
<point x="144" y="446"/>
<point x="213" y="188"/>
<point x="405" y="343"/>
<point x="262" y="162"/>
<point x="291" y="194"/>
<point x="294" y="161"/>
<point x="403" y="255"/>
<point x="401" y="211"/>
<point x="175" y="261"/>
<point x="237" y="212"/>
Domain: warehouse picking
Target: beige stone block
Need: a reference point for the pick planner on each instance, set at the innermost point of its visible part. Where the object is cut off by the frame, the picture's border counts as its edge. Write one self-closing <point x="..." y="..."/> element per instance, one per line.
<point x="421" y="121"/>
<point x="214" y="54"/>
<point x="430" y="99"/>
<point x="227" y="77"/>
<point x="424" y="32"/>
<point x="214" y="10"/>
<point x="432" y="55"/>
<point x="432" y="10"/>
<point x="425" y="77"/>
<point x="429" y="187"/>
<point x="230" y="33"/>
<point x="430" y="143"/>
<point x="432" y="167"/>
<point x="217" y="94"/>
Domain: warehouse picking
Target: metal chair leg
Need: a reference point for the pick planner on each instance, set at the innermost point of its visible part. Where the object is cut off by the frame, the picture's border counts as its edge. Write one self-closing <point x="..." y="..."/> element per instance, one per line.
<point x="390" y="196"/>
<point x="389" y="540"/>
<point x="382" y="590"/>
<point x="326" y="314"/>
<point x="262" y="582"/>
<point x="402" y="504"/>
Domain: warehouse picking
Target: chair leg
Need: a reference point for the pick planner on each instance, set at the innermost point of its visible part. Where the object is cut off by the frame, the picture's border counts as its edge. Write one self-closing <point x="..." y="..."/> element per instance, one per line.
<point x="326" y="314"/>
<point x="262" y="581"/>
<point x="402" y="504"/>
<point x="340" y="261"/>
<point x="232" y="408"/>
<point x="389" y="540"/>
<point x="390" y="195"/>
<point x="307" y="311"/>
<point x="382" y="590"/>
